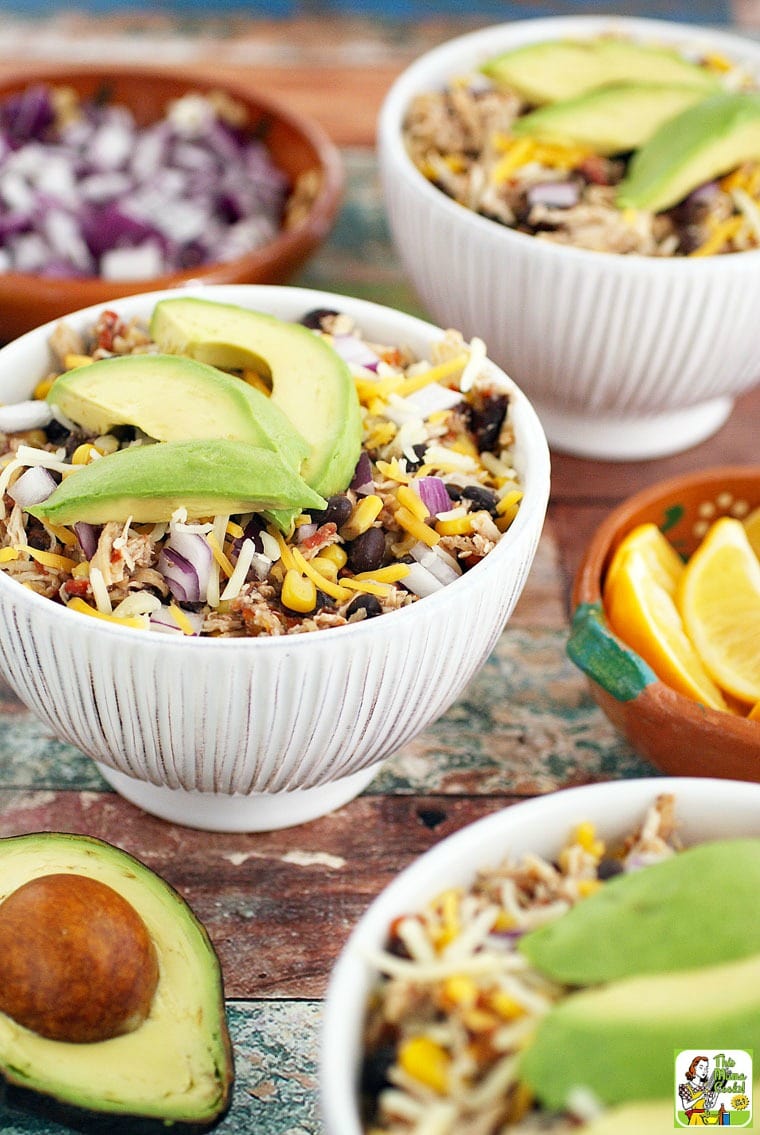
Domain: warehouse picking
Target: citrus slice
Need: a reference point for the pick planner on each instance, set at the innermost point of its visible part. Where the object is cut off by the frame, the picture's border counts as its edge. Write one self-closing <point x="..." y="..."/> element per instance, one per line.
<point x="641" y="610"/>
<point x="752" y="528"/>
<point x="648" y="541"/>
<point x="719" y="601"/>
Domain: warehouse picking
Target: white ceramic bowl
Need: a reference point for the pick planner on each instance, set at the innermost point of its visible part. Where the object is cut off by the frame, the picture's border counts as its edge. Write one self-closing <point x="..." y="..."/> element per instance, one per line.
<point x="705" y="809"/>
<point x="623" y="357"/>
<point x="261" y="733"/>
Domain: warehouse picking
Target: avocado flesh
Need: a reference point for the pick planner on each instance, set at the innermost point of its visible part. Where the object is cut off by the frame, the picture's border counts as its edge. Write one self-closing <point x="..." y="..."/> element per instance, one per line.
<point x="174" y="399"/>
<point x="610" y="120"/>
<point x="150" y="482"/>
<point x="699" y="144"/>
<point x="643" y="922"/>
<point x="618" y="1041"/>
<point x="555" y="70"/>
<point x="311" y="384"/>
<point x="176" y="1068"/>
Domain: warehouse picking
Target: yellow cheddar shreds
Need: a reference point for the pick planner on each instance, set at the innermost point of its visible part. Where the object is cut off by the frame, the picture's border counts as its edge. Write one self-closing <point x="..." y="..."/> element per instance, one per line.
<point x="368" y="586"/>
<point x="78" y="604"/>
<point x="381" y="434"/>
<point x="42" y="389"/>
<point x="406" y="496"/>
<point x="440" y="373"/>
<point x="518" y="154"/>
<point x="506" y="1006"/>
<point x="72" y="361"/>
<point x="416" y="527"/>
<point x="63" y="535"/>
<point x="235" y="530"/>
<point x="509" y="500"/>
<point x="425" y="1061"/>
<point x="81" y="571"/>
<point x="48" y="559"/>
<point x="720" y="236"/>
<point x="390" y="574"/>
<point x="7" y="555"/>
<point x="181" y="619"/>
<point x="459" y="990"/>
<point x="456" y="526"/>
<point x="393" y="471"/>
<point x="219" y="556"/>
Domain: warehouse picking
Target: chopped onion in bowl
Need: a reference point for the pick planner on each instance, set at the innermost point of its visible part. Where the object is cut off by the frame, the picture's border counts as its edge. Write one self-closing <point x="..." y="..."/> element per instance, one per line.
<point x="85" y="191"/>
<point x="33" y="486"/>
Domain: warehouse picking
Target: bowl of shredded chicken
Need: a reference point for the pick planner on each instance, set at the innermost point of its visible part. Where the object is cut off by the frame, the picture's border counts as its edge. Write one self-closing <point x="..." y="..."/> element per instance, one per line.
<point x="474" y="994"/>
<point x="596" y="179"/>
<point x="250" y="660"/>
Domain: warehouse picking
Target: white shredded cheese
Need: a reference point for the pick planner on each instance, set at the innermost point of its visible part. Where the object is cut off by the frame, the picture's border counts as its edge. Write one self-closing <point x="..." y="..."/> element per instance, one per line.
<point x="474" y="363"/>
<point x="238" y="577"/>
<point x="28" y="455"/>
<point x="100" y="591"/>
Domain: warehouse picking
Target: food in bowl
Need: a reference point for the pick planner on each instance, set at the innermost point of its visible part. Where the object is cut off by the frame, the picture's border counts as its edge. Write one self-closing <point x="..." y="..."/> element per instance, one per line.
<point x="606" y="143"/>
<point x="695" y="623"/>
<point x="215" y="471"/>
<point x="551" y="992"/>
<point x="89" y="192"/>
<point x="112" y="1013"/>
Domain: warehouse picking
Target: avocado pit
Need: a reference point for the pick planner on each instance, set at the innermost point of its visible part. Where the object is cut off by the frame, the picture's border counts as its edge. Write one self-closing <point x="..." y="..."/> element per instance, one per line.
<point x="77" y="962"/>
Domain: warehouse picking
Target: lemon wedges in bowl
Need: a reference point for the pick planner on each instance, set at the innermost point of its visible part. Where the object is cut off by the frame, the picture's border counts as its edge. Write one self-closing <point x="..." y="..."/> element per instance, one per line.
<point x="719" y="600"/>
<point x="640" y="593"/>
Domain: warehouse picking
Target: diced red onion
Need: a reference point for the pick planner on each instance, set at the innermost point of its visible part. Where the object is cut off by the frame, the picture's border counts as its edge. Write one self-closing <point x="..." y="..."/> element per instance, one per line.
<point x="433" y="494"/>
<point x="185" y="563"/>
<point x="361" y="481"/>
<point x="354" y="350"/>
<point x="420" y="581"/>
<point x="163" y="620"/>
<point x="32" y="487"/>
<point x="554" y="194"/>
<point x="87" y="535"/>
<point x="35" y="414"/>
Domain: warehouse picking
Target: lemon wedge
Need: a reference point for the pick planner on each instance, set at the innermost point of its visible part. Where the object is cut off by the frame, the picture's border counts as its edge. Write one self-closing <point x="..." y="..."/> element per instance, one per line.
<point x="752" y="528"/>
<point x="719" y="601"/>
<point x="639" y="600"/>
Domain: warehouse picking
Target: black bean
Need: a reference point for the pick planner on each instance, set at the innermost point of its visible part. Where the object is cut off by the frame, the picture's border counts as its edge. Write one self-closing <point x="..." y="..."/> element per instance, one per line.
<point x="55" y="431"/>
<point x="609" y="867"/>
<point x="314" y="318"/>
<point x="454" y="491"/>
<point x="367" y="551"/>
<point x="485" y="418"/>
<point x="481" y="497"/>
<point x="338" y="510"/>
<point x="377" y="1063"/>
<point x="419" y="450"/>
<point x="367" y="603"/>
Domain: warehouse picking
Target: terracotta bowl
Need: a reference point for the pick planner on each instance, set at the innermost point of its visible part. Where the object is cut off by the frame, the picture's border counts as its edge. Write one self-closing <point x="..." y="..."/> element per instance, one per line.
<point x="676" y="734"/>
<point x="297" y="144"/>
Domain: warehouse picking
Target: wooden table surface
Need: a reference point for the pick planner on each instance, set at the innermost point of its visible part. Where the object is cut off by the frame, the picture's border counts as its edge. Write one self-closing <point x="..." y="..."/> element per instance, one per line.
<point x="279" y="906"/>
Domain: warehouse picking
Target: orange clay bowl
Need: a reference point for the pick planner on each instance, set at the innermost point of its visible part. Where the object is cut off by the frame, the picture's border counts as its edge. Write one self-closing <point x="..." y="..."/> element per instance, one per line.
<point x="296" y="143"/>
<point x="676" y="734"/>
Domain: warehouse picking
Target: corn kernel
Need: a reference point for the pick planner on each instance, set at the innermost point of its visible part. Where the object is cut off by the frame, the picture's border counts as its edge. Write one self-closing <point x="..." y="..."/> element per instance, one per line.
<point x="81" y="571"/>
<point x="459" y="990"/>
<point x="416" y="527"/>
<point x="326" y="567"/>
<point x="84" y="454"/>
<point x="335" y="553"/>
<point x="42" y="388"/>
<point x="588" y="887"/>
<point x="299" y="593"/>
<point x="585" y="835"/>
<point x="479" y="1021"/>
<point x="72" y="361"/>
<point x="505" y="1005"/>
<point x="362" y="518"/>
<point x="504" y="921"/>
<point x="425" y="1061"/>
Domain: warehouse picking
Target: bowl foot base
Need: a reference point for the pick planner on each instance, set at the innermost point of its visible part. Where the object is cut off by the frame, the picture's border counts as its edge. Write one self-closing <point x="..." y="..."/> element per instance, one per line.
<point x="221" y="812"/>
<point x="632" y="439"/>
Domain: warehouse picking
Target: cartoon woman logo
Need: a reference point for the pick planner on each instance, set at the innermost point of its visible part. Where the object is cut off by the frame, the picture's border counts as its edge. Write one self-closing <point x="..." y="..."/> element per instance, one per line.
<point x="698" y="1095"/>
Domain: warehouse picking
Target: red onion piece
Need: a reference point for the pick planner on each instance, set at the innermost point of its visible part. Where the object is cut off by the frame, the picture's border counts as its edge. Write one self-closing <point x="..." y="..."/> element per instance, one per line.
<point x="35" y="414"/>
<point x="354" y="350"/>
<point x="189" y="563"/>
<point x="433" y="494"/>
<point x="304" y="531"/>
<point x="163" y="620"/>
<point x="87" y="535"/>
<point x="180" y="575"/>
<point x="362" y="479"/>
<point x="32" y="487"/>
<point x="554" y="194"/>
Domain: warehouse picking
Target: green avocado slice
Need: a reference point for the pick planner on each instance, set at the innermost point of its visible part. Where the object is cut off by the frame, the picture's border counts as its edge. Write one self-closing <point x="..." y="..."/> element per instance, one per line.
<point x="618" y="1041"/>
<point x="610" y="120"/>
<point x="173" y="399"/>
<point x="553" y="70"/>
<point x="310" y="383"/>
<point x="175" y="1070"/>
<point x="150" y="482"/>
<point x="642" y="922"/>
<point x="701" y="143"/>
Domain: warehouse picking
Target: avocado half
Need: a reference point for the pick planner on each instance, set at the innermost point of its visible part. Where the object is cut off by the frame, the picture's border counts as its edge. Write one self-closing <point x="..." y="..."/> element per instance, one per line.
<point x="175" y="1069"/>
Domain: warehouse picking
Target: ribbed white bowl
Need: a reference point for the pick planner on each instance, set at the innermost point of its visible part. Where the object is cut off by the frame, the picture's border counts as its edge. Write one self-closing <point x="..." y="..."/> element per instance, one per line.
<point x="706" y="809"/>
<point x="622" y="356"/>
<point x="252" y="734"/>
